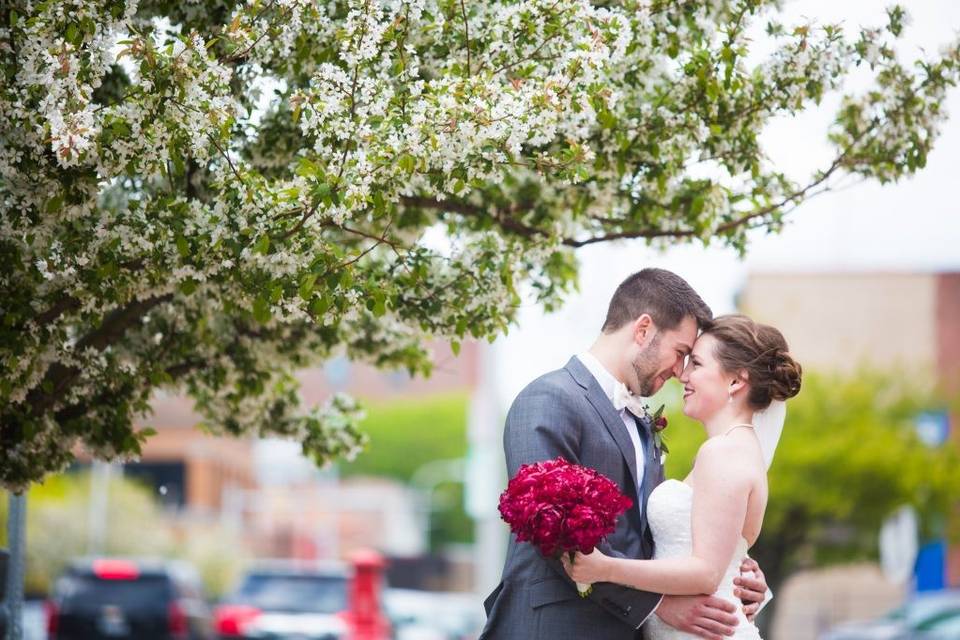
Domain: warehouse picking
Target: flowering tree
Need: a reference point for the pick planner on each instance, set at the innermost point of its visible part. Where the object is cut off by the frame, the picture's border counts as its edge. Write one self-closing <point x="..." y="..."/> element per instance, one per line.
<point x="208" y="195"/>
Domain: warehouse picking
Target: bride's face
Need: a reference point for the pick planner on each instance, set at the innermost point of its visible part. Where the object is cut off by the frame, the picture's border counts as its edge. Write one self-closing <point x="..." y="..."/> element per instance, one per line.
<point x="705" y="385"/>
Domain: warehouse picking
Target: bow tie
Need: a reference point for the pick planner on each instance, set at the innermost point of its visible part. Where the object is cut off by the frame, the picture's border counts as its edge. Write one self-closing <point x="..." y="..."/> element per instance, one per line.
<point x="623" y="399"/>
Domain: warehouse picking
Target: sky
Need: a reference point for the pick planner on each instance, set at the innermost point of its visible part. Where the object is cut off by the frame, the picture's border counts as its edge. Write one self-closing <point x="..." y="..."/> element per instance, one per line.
<point x="905" y="227"/>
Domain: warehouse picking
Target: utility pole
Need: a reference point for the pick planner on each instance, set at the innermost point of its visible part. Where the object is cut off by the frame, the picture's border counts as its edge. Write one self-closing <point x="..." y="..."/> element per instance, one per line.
<point x="17" y="538"/>
<point x="100" y="473"/>
<point x="486" y="473"/>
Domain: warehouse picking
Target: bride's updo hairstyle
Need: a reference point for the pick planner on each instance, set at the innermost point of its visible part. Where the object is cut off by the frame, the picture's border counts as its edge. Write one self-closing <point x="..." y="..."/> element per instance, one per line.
<point x="761" y="351"/>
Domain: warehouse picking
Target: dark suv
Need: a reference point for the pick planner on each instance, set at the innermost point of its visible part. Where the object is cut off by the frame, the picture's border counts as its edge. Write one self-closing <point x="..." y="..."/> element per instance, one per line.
<point x="113" y="599"/>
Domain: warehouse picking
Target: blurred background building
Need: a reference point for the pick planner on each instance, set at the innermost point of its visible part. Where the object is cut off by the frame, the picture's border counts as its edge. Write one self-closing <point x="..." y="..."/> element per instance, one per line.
<point x="845" y="322"/>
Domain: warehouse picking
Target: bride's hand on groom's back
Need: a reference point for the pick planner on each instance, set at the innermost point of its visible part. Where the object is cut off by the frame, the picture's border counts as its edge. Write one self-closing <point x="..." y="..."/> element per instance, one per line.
<point x="709" y="617"/>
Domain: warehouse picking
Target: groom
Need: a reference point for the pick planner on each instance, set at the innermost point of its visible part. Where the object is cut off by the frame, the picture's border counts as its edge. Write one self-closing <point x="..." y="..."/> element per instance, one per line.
<point x="589" y="413"/>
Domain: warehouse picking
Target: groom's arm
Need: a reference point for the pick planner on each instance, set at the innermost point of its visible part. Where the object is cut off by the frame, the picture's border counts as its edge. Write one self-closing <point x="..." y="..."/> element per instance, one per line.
<point x="542" y="424"/>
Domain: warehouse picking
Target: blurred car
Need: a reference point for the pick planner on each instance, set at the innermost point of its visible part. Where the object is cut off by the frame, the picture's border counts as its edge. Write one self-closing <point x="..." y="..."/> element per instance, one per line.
<point x="119" y="599"/>
<point x="946" y="627"/>
<point x="430" y="615"/>
<point x="917" y="619"/>
<point x="287" y="601"/>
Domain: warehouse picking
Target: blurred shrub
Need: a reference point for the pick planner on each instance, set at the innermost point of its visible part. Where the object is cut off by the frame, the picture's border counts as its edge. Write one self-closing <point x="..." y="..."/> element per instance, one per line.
<point x="58" y="530"/>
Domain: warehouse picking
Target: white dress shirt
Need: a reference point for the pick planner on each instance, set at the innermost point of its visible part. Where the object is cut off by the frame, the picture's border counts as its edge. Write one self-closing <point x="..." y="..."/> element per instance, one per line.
<point x="608" y="383"/>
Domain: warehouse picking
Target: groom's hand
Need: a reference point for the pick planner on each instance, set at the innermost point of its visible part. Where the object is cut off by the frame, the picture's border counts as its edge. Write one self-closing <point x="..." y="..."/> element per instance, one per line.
<point x="750" y="587"/>
<point x="706" y="616"/>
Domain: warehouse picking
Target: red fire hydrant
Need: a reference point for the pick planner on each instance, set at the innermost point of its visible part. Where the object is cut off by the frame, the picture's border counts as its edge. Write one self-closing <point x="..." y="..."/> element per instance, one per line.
<point x="365" y="617"/>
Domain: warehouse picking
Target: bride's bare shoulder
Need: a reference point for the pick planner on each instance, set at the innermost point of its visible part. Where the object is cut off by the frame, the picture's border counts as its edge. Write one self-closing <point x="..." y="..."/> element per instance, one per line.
<point x="727" y="456"/>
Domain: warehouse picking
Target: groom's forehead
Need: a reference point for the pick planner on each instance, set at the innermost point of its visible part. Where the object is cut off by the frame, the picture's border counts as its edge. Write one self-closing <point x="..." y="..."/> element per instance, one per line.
<point x="682" y="342"/>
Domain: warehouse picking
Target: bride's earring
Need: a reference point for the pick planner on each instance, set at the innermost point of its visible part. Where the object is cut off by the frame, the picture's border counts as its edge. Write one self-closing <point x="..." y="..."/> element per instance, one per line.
<point x="730" y="397"/>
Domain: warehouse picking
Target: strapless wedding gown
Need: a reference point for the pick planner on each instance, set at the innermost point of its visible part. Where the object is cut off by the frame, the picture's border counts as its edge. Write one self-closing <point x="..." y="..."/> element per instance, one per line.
<point x="668" y="512"/>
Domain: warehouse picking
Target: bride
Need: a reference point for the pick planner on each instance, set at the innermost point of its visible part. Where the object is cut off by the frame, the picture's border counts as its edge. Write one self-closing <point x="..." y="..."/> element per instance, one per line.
<point x="735" y="383"/>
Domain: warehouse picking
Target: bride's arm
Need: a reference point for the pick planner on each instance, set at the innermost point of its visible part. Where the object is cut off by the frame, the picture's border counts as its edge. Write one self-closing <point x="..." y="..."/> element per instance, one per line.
<point x="719" y="511"/>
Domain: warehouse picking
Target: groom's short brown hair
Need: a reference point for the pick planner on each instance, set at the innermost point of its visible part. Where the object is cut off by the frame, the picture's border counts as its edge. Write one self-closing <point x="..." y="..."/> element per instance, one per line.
<point x="662" y="294"/>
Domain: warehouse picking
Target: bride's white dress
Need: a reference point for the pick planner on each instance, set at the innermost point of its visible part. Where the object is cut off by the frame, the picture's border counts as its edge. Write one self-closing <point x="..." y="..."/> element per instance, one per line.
<point x="668" y="512"/>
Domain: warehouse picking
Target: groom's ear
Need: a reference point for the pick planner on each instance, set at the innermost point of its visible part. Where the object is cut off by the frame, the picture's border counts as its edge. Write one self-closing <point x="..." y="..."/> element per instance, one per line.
<point x="643" y="328"/>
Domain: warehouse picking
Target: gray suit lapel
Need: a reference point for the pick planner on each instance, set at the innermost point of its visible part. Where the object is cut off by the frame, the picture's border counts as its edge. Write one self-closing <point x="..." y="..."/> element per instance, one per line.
<point x="609" y="416"/>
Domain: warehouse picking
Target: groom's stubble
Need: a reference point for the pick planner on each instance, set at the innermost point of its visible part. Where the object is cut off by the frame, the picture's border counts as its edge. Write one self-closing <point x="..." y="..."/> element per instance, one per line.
<point x="646" y="366"/>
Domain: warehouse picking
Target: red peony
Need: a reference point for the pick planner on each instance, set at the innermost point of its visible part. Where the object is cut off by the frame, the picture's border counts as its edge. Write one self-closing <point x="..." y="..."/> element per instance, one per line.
<point x="561" y="507"/>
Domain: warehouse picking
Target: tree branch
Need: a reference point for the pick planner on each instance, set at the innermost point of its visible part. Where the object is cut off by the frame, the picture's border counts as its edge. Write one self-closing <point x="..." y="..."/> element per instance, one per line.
<point x="467" y="209"/>
<point x="59" y="377"/>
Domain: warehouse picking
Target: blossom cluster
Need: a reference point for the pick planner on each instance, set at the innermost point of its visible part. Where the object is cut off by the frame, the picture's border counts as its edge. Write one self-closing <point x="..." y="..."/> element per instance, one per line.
<point x="205" y="197"/>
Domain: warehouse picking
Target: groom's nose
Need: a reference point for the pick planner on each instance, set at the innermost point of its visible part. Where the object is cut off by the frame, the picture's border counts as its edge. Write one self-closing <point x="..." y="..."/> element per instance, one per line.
<point x="677" y="368"/>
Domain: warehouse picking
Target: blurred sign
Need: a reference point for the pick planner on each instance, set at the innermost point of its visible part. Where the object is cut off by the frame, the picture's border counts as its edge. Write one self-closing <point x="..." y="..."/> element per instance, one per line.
<point x="931" y="566"/>
<point x="898" y="545"/>
<point x="933" y="427"/>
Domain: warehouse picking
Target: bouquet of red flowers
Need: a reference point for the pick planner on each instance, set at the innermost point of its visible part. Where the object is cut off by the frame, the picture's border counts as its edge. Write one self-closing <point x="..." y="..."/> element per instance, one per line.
<point x="562" y="507"/>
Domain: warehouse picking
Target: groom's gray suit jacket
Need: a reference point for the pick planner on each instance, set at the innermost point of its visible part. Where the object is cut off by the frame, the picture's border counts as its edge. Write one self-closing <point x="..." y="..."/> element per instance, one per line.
<point x="566" y="413"/>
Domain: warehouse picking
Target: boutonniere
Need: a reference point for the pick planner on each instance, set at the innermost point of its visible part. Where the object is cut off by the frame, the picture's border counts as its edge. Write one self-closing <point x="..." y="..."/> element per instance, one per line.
<point x="659" y="422"/>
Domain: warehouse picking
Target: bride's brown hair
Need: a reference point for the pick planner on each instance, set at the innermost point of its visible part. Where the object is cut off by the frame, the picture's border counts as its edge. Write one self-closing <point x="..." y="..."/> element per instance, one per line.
<point x="762" y="353"/>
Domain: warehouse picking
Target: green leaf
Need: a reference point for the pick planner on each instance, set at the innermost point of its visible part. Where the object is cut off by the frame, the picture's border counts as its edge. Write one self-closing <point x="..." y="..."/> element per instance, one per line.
<point x="188" y="286"/>
<point x="455" y="347"/>
<point x="321" y="191"/>
<point x="306" y="286"/>
<point x="407" y="162"/>
<point x="88" y="26"/>
<point x="379" y="304"/>
<point x="319" y="305"/>
<point x="607" y="119"/>
<point x="276" y="292"/>
<point x="696" y="207"/>
<point x="307" y="169"/>
<point x="183" y="247"/>
<point x="262" y="246"/>
<point x="120" y="129"/>
<point x="261" y="310"/>
<point x="55" y="204"/>
<point x="73" y="35"/>
<point x="379" y="204"/>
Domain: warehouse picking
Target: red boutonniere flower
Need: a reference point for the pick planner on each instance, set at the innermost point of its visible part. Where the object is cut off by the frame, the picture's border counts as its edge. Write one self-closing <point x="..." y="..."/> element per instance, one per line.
<point x="659" y="422"/>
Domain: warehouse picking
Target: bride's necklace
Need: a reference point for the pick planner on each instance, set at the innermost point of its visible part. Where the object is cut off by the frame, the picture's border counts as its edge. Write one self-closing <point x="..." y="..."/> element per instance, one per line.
<point x="742" y="424"/>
